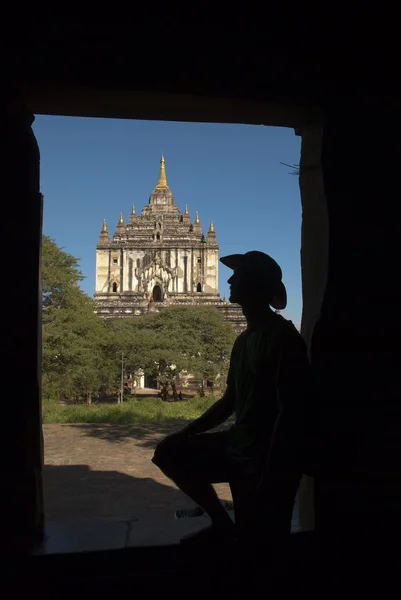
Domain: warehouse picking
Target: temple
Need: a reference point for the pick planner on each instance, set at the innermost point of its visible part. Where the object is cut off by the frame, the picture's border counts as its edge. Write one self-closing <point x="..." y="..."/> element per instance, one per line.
<point x="159" y="258"/>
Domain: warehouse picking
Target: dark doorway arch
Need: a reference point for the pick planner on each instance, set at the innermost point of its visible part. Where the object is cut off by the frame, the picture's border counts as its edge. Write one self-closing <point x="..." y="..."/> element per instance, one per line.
<point x="199" y="287"/>
<point x="157" y="294"/>
<point x="114" y="287"/>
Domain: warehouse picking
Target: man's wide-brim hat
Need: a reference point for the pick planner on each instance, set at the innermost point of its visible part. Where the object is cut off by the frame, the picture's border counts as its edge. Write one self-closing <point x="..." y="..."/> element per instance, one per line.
<point x="264" y="268"/>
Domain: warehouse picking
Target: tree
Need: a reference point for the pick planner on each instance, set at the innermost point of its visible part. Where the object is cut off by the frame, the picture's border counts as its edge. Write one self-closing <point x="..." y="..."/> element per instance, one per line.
<point x="81" y="355"/>
<point x="165" y="353"/>
<point x="193" y="339"/>
<point x="212" y="341"/>
<point x="125" y="336"/>
<point x="72" y="334"/>
<point x="60" y="272"/>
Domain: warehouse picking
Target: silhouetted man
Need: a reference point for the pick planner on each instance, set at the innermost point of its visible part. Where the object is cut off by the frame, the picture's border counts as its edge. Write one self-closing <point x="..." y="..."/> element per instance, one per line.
<point x="260" y="456"/>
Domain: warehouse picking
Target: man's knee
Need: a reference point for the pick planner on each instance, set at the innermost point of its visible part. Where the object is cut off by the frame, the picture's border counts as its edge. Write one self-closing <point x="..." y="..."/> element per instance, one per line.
<point x="167" y="454"/>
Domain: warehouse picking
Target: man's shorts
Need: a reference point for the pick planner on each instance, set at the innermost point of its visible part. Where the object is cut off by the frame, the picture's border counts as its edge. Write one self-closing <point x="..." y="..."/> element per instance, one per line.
<point x="208" y="457"/>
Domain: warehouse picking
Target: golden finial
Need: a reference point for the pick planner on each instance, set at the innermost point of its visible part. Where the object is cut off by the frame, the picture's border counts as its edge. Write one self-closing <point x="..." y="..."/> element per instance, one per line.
<point x="197" y="217"/>
<point x="132" y="216"/>
<point x="186" y="210"/>
<point x="121" y="221"/>
<point x="104" y="228"/>
<point x="162" y="181"/>
<point x="211" y="227"/>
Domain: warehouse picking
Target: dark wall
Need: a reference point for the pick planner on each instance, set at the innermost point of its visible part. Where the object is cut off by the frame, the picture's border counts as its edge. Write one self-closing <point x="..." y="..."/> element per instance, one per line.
<point x="21" y="330"/>
<point x="355" y="346"/>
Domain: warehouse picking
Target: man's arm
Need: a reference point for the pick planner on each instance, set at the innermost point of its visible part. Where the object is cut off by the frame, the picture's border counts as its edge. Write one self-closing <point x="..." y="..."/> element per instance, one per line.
<point x="217" y="414"/>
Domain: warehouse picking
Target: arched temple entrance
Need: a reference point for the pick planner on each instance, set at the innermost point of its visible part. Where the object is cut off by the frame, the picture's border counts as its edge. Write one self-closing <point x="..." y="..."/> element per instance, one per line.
<point x="157" y="294"/>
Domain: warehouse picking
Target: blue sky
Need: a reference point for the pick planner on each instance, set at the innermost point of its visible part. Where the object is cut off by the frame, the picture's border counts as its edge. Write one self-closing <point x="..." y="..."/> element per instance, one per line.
<point x="91" y="169"/>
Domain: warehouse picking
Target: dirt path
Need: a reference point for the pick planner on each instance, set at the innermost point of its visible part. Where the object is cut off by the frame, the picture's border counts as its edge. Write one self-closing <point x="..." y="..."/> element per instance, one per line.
<point x="105" y="472"/>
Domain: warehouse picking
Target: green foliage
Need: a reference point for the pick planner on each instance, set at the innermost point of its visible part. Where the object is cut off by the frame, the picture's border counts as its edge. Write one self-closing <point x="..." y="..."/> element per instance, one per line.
<point x="60" y="273"/>
<point x="124" y="336"/>
<point x="210" y="340"/>
<point x="195" y="340"/>
<point x="72" y="353"/>
<point x="81" y="355"/>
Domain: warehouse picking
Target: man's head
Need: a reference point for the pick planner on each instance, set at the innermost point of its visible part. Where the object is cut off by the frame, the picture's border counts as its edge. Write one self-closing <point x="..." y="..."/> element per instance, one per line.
<point x="256" y="280"/>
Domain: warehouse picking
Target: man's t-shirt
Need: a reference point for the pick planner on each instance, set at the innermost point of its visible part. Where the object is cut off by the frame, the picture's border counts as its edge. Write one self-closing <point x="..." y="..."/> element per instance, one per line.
<point x="263" y="356"/>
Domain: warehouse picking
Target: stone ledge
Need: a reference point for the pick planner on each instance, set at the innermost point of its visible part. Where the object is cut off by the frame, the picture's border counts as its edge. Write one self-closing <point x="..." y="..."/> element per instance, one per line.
<point x="99" y="535"/>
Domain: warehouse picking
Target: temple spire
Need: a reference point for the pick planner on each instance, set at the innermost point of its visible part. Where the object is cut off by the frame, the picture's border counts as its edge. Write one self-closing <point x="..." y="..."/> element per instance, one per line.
<point x="162" y="181"/>
<point x="197" y="224"/>
<point x="104" y="236"/>
<point x="161" y="199"/>
<point x="120" y="225"/>
<point x="186" y="219"/>
<point x="211" y="234"/>
<point x="132" y="216"/>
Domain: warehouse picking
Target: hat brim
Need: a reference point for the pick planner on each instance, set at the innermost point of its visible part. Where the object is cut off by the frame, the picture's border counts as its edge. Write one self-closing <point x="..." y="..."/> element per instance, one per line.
<point x="232" y="260"/>
<point x="279" y="302"/>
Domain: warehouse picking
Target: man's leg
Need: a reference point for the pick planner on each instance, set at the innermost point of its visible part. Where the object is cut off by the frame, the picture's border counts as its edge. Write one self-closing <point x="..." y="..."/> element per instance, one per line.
<point x="204" y="495"/>
<point x="193" y="463"/>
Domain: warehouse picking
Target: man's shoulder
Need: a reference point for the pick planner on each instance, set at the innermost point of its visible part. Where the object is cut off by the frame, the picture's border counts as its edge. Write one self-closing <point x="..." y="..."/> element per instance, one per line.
<point x="292" y="341"/>
<point x="294" y="333"/>
<point x="274" y="331"/>
<point x="242" y="336"/>
<point x="280" y="328"/>
<point x="240" y="340"/>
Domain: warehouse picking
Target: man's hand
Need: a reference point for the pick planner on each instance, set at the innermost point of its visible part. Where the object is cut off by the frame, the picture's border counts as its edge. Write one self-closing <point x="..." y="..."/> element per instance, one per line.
<point x="183" y="433"/>
<point x="214" y="416"/>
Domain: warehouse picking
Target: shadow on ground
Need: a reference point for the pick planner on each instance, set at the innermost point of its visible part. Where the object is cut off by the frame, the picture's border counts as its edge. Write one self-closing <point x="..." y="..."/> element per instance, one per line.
<point x="74" y="492"/>
<point x="147" y="435"/>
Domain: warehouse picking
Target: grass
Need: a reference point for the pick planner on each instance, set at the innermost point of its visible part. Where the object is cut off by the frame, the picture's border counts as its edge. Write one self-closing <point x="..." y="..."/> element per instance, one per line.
<point x="141" y="410"/>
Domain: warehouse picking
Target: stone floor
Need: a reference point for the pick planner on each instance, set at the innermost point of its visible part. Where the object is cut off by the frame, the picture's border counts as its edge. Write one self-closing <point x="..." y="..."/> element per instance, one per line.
<point x="102" y="491"/>
<point x="104" y="472"/>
